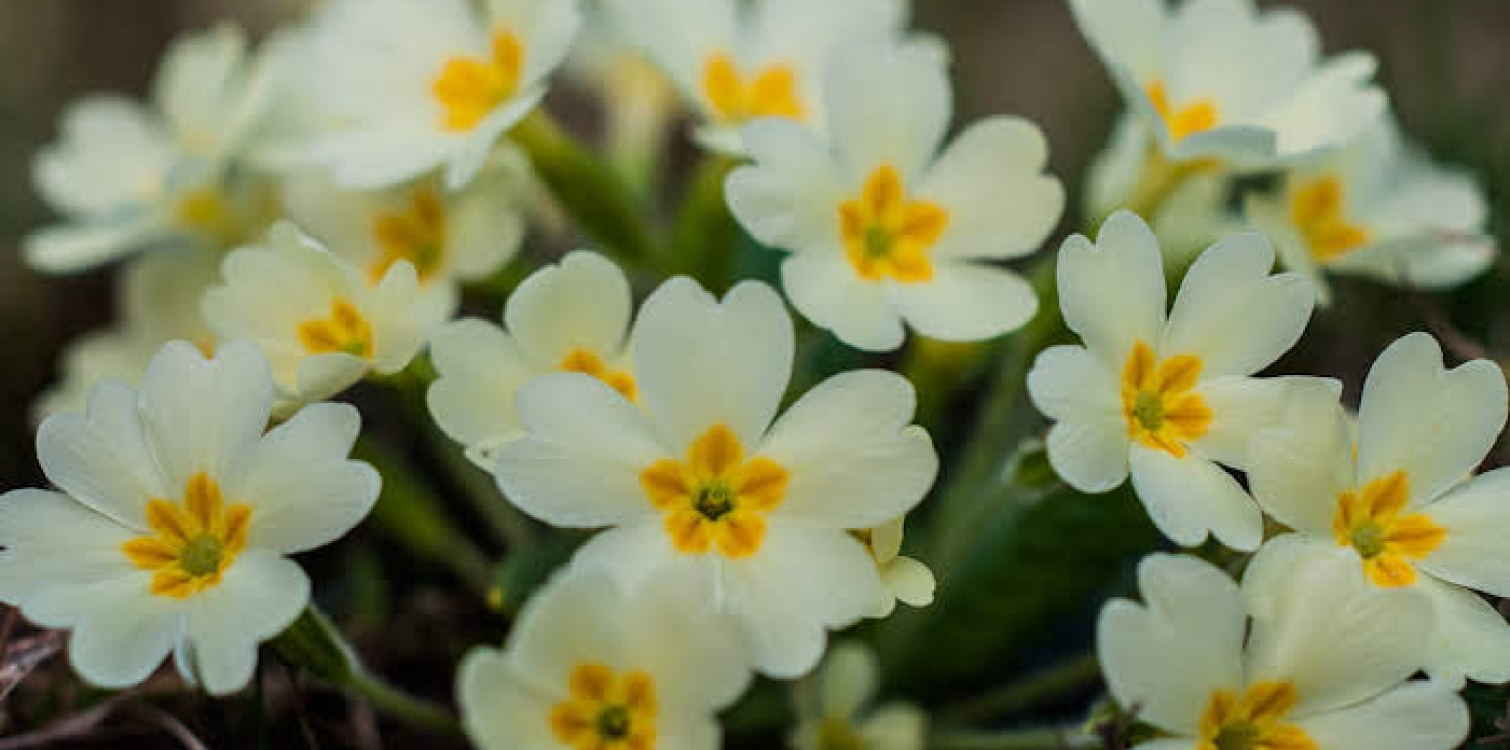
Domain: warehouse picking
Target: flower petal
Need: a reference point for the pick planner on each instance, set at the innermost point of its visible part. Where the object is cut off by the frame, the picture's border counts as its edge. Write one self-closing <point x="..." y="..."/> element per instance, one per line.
<point x="1232" y="314"/>
<point x="1421" y="715"/>
<point x="480" y="371"/>
<point x="1242" y="407"/>
<point x="1187" y="497"/>
<point x="580" y="466"/>
<point x="1112" y="292"/>
<point x="701" y="362"/>
<point x="991" y="182"/>
<point x="966" y="302"/>
<point x="888" y="104"/>
<point x="1434" y="424"/>
<point x="1471" y="639"/>
<point x="51" y="542"/>
<point x="499" y="711"/>
<point x="583" y="303"/>
<point x="789" y="198"/>
<point x="203" y="415"/>
<point x="853" y="459"/>
<point x="1298" y="470"/>
<point x="260" y="595"/>
<point x="102" y="458"/>
<point x="827" y="291"/>
<point x="121" y="632"/>
<point x="1476" y="516"/>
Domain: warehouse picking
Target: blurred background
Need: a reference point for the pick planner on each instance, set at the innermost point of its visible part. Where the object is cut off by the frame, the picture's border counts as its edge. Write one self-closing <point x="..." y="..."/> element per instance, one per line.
<point x="1445" y="63"/>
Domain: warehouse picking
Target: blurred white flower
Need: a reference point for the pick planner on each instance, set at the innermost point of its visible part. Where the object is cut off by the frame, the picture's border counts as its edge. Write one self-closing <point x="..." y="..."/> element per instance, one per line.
<point x="591" y="666"/>
<point x="834" y="708"/>
<point x="413" y="85"/>
<point x="1379" y="208"/>
<point x="571" y="317"/>
<point x="902" y="578"/>
<point x="697" y="479"/>
<point x="175" y="516"/>
<point x="1170" y="397"/>
<point x="159" y="301"/>
<point x="740" y="61"/>
<point x="128" y="176"/>
<point x="885" y="228"/>
<point x="449" y="238"/>
<point x="323" y="323"/>
<point x="1304" y="656"/>
<point x="1220" y="79"/>
<point x="1398" y="501"/>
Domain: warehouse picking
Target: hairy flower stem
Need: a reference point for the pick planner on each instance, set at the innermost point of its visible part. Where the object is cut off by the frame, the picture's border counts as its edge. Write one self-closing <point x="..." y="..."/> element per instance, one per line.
<point x="587" y="189"/>
<point x="1057" y="681"/>
<point x="314" y="644"/>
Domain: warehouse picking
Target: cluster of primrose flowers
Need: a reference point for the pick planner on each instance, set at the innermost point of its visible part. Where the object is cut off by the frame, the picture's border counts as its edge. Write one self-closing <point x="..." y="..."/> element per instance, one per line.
<point x="299" y="217"/>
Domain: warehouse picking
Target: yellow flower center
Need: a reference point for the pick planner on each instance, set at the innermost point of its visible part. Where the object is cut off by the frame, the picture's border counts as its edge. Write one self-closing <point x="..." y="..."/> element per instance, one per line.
<point x="1253" y="721"/>
<point x="736" y="98"/>
<point x="887" y="236"/>
<point x="1372" y="523"/>
<point x="1161" y="410"/>
<point x="345" y="331"/>
<point x="415" y="232"/>
<point x="192" y="543"/>
<point x="606" y="710"/>
<point x="589" y="363"/>
<point x="716" y="497"/>
<point x="1195" y="116"/>
<point x="837" y="734"/>
<point x="1317" y="208"/>
<point x="208" y="213"/>
<point x="468" y="88"/>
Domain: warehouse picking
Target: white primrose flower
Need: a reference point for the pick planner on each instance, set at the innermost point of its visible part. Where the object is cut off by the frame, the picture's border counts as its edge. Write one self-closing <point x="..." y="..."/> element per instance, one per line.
<point x="590" y="667"/>
<point x="882" y="225"/>
<point x="902" y="578"/>
<point x="159" y="301"/>
<point x="1170" y="398"/>
<point x="740" y="60"/>
<point x="696" y="478"/>
<point x="1398" y="501"/>
<point x="174" y="517"/>
<point x="128" y="176"/>
<point x="449" y="238"/>
<point x="323" y="323"/>
<point x="1304" y="656"/>
<point x="834" y="707"/>
<point x="570" y="317"/>
<point x="420" y="84"/>
<point x="1220" y="79"/>
<point x="1378" y="208"/>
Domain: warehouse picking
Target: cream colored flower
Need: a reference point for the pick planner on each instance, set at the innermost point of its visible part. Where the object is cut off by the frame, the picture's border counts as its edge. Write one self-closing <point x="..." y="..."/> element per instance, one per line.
<point x="175" y="516"/>
<point x="415" y="85"/>
<point x="1379" y="208"/>
<point x="323" y="323"/>
<point x="592" y="666"/>
<point x="737" y="61"/>
<point x="1305" y="656"/>
<point x="1398" y="501"/>
<point x="1224" y="80"/>
<point x="571" y="317"/>
<point x="834" y="707"/>
<point x="1169" y="397"/>
<point x="695" y="478"/>
<point x="885" y="223"/>
<point x="158" y="301"/>
<point x="127" y="176"/>
<point x="902" y="578"/>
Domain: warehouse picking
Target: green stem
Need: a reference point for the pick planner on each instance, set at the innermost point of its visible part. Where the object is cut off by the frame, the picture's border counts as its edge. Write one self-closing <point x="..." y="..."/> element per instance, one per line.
<point x="1019" y="739"/>
<point x="314" y="644"/>
<point x="590" y="191"/>
<point x="703" y="240"/>
<point x="412" y="515"/>
<point x="1055" y="682"/>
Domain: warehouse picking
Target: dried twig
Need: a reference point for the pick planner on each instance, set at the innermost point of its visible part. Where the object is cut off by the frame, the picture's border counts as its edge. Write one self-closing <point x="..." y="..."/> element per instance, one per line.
<point x="173" y="726"/>
<point x="23" y="655"/>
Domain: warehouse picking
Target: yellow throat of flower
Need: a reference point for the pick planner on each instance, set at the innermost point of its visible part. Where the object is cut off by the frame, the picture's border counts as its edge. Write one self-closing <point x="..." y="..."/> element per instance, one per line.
<point x="415" y="232"/>
<point x="607" y="710"/>
<point x="1158" y="401"/>
<point x="1372" y="521"/>
<point x="1253" y="720"/>
<point x="1318" y="211"/>
<point x="736" y="98"/>
<point x="887" y="236"/>
<point x="345" y="331"/>
<point x="193" y="542"/>
<point x="716" y="498"/>
<point x="1184" y="119"/>
<point x="588" y="362"/>
<point x="470" y="88"/>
